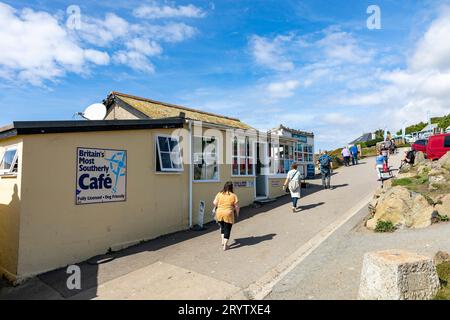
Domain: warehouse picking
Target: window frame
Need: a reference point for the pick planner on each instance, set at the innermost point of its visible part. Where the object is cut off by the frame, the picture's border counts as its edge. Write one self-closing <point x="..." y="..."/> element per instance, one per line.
<point x="217" y="159"/>
<point x="248" y="144"/>
<point x="446" y="139"/>
<point x="4" y="172"/>
<point x="158" y="151"/>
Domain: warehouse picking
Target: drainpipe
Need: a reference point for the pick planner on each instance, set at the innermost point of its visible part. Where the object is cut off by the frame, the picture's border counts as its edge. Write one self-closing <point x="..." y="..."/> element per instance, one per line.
<point x="191" y="168"/>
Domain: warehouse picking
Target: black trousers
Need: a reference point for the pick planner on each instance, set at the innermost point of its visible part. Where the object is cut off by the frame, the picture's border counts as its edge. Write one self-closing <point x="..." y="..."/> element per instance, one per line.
<point x="225" y="229"/>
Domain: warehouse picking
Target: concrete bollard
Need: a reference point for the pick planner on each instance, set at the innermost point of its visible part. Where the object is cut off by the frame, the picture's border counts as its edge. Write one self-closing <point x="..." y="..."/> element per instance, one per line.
<point x="397" y="275"/>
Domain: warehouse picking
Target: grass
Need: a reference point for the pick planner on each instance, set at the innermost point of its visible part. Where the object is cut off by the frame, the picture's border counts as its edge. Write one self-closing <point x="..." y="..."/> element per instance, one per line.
<point x="384" y="226"/>
<point x="402" y="182"/>
<point x="443" y="271"/>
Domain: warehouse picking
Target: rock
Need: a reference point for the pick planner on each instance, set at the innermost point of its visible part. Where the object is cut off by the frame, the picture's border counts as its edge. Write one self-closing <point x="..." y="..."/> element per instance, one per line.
<point x="406" y="168"/>
<point x="403" y="208"/>
<point x="443" y="206"/>
<point x="444" y="162"/>
<point x="441" y="257"/>
<point x="420" y="159"/>
<point x="397" y="275"/>
<point x="424" y="168"/>
<point x="437" y="179"/>
<point x="406" y="175"/>
<point x="372" y="206"/>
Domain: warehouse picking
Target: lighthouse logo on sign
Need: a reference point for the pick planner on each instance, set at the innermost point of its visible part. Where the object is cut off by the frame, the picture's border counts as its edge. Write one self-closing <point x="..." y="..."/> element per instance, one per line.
<point x="101" y="175"/>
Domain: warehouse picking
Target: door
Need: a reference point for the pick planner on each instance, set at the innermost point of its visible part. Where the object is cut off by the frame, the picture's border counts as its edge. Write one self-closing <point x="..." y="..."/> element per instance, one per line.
<point x="262" y="170"/>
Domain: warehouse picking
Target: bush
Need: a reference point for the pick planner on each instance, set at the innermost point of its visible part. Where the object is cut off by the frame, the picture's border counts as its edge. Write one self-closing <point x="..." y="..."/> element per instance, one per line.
<point x="443" y="271"/>
<point x="402" y="182"/>
<point x="384" y="226"/>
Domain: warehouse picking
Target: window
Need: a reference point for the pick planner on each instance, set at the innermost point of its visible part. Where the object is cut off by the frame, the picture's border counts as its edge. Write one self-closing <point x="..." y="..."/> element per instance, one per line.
<point x="168" y="154"/>
<point x="286" y="158"/>
<point x="8" y="162"/>
<point x="243" y="157"/>
<point x="447" y="142"/>
<point x="206" y="164"/>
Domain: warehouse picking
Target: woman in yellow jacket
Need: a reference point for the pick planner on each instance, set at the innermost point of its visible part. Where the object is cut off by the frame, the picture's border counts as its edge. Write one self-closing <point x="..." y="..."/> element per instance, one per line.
<point x="227" y="204"/>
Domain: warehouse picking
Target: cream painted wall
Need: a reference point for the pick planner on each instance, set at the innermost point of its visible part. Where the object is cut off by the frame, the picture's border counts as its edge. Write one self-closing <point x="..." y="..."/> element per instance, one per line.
<point x="276" y="187"/>
<point x="10" y="188"/>
<point x="54" y="232"/>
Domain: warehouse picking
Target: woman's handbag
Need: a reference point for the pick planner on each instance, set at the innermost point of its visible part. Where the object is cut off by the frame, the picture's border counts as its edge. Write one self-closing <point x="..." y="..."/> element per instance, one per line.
<point x="286" y="189"/>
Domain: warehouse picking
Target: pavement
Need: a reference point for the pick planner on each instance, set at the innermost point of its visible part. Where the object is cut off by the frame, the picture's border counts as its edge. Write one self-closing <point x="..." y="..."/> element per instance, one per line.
<point x="271" y="248"/>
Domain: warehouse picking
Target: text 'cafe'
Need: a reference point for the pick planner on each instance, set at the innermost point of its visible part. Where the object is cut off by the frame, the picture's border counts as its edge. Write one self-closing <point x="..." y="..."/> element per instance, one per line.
<point x="71" y="190"/>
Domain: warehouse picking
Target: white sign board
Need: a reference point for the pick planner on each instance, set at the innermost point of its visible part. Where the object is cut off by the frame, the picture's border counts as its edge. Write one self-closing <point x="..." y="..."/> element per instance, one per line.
<point x="101" y="176"/>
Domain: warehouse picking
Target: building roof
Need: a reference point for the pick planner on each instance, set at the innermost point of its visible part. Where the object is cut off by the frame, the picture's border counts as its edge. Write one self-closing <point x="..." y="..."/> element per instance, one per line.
<point x="159" y="110"/>
<point x="364" y="138"/>
<point x="429" y="127"/>
<point x="294" y="131"/>
<point x="43" y="127"/>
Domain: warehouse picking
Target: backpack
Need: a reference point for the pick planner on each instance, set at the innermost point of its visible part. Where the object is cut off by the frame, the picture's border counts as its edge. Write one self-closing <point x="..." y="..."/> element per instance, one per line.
<point x="324" y="162"/>
<point x="293" y="184"/>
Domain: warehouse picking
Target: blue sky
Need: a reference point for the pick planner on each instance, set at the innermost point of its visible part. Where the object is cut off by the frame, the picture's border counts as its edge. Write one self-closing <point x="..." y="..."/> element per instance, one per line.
<point x="311" y="65"/>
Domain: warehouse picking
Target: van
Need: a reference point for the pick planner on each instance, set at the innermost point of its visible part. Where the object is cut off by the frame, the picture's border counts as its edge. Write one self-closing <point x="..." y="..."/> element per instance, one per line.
<point x="438" y="146"/>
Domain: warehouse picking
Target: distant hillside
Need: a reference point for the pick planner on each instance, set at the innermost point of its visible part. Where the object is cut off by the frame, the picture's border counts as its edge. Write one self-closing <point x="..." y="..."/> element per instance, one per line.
<point x="442" y="122"/>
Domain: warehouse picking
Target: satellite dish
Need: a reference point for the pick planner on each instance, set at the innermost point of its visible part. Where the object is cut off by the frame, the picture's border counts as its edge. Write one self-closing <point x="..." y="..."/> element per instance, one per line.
<point x="96" y="111"/>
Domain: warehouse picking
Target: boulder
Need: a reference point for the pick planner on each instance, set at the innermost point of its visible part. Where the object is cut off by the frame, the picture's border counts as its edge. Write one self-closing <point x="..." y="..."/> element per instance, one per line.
<point x="443" y="206"/>
<point x="397" y="275"/>
<point x="405" y="175"/>
<point x="444" y="162"/>
<point x="441" y="257"/>
<point x="424" y="168"/>
<point x="406" y="168"/>
<point x="420" y="159"/>
<point x="403" y="208"/>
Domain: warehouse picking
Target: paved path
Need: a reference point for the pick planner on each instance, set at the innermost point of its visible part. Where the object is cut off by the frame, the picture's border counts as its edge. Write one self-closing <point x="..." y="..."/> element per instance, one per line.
<point x="333" y="270"/>
<point x="265" y="243"/>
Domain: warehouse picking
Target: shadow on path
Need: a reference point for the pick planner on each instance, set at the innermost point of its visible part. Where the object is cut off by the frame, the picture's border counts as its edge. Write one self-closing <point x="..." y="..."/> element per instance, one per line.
<point x="309" y="206"/>
<point x="339" y="186"/>
<point x="250" y="241"/>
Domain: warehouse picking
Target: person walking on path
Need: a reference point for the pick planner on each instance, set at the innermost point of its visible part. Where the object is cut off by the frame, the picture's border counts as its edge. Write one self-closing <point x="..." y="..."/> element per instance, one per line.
<point x="293" y="183"/>
<point x="326" y="165"/>
<point x="380" y="162"/>
<point x="354" y="152"/>
<point x="227" y="205"/>
<point x="346" y="156"/>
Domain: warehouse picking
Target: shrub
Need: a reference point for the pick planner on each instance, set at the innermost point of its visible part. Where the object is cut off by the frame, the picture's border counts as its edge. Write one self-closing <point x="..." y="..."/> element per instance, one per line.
<point x="443" y="271"/>
<point x="384" y="226"/>
<point x="402" y="182"/>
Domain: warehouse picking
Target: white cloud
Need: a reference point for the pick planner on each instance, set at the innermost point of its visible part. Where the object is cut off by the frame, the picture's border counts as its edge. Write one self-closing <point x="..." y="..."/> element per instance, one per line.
<point x="144" y="46"/>
<point x="423" y="86"/>
<point x="282" y="89"/>
<point x="171" y="32"/>
<point x="271" y="53"/>
<point x="337" y="119"/>
<point x="135" y="60"/>
<point x="433" y="50"/>
<point x="342" y="47"/>
<point x="36" y="48"/>
<point x="153" y="11"/>
<point x="102" y="32"/>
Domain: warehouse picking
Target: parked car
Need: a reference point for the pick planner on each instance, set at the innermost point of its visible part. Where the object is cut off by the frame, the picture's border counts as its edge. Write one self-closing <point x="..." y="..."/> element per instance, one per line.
<point x="438" y="145"/>
<point x="409" y="138"/>
<point x="420" y="145"/>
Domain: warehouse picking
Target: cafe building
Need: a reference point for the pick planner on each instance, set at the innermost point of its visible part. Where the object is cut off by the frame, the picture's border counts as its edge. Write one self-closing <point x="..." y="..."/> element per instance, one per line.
<point x="70" y="190"/>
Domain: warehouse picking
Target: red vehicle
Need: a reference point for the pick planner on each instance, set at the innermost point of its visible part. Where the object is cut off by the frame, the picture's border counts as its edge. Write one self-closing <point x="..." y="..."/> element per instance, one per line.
<point x="420" y="145"/>
<point x="438" y="146"/>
